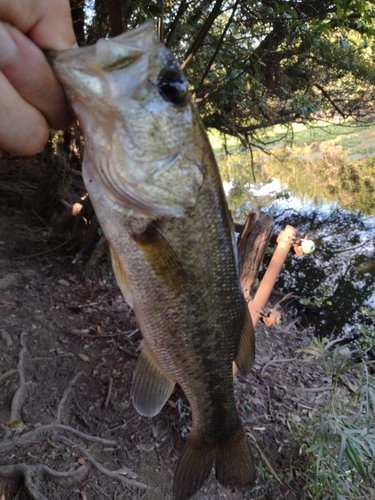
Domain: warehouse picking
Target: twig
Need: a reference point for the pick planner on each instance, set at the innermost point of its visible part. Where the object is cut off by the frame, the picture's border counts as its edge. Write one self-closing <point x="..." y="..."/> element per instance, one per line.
<point x="41" y="220"/>
<point x="109" y="392"/>
<point x="65" y="396"/>
<point x="99" y="336"/>
<point x="352" y="388"/>
<point x="289" y="326"/>
<point x="17" y="400"/>
<point x="6" y="337"/>
<point x="44" y="252"/>
<point x="275" y="362"/>
<point x="100" y="492"/>
<point x="84" y="415"/>
<point x="130" y="353"/>
<point x="269" y="401"/>
<point x="59" y="325"/>
<point x="7" y="374"/>
<point x="314" y="389"/>
<point x="272" y="470"/>
<point x="122" y="426"/>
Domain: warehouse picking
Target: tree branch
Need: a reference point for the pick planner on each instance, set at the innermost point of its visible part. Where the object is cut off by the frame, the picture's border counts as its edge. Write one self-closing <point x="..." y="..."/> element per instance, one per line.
<point x="203" y="33"/>
<point x="173" y="26"/>
<point x="331" y="101"/>
<point x="219" y="44"/>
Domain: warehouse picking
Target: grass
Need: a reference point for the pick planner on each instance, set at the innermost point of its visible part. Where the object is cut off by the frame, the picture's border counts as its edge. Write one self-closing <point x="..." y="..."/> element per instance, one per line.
<point x="339" y="444"/>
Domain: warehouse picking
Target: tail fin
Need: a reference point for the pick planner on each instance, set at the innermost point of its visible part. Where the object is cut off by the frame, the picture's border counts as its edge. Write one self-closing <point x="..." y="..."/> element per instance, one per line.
<point x="193" y="468"/>
<point x="233" y="466"/>
<point x="234" y="463"/>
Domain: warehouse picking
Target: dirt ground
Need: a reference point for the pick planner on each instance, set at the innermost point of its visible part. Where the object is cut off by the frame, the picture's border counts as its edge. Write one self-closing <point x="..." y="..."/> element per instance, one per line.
<point x="68" y="348"/>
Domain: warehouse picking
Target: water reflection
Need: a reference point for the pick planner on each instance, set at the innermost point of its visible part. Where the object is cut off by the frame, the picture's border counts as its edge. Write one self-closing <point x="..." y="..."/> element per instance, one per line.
<point x="340" y="272"/>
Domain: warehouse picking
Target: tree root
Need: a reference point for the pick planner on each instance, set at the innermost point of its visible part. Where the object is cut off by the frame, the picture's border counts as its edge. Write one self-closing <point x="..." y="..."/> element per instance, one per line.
<point x="32" y="473"/>
<point x="28" y="473"/>
<point x="18" y="397"/>
<point x="65" y="396"/>
<point x="119" y="474"/>
<point x="35" y="436"/>
<point x="7" y="374"/>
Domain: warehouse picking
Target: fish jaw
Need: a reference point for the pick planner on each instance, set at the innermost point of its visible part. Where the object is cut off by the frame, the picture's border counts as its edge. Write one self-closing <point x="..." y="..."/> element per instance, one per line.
<point x="138" y="147"/>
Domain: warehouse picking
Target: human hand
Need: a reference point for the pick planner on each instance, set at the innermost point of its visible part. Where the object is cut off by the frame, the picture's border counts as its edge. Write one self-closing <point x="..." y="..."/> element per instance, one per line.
<point x="31" y="98"/>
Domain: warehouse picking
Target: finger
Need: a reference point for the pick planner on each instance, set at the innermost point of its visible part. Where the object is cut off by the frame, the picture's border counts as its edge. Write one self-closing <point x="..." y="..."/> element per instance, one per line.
<point x="47" y="23"/>
<point x="27" y="69"/>
<point x="23" y="129"/>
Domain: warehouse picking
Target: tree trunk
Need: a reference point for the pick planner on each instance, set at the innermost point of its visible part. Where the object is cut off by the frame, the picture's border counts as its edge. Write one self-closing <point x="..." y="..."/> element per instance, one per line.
<point x="251" y="246"/>
<point x="78" y="18"/>
<point x="115" y="17"/>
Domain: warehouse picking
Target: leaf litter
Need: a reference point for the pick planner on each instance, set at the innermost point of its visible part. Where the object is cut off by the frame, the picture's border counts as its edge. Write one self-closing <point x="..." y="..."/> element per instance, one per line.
<point x="68" y="348"/>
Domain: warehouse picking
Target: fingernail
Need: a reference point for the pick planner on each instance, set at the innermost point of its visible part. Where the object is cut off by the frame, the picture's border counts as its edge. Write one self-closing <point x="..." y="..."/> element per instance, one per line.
<point x="8" y="49"/>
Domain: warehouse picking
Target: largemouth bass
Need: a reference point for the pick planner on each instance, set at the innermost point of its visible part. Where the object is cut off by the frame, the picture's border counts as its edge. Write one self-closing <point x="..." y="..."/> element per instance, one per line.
<point x="155" y="187"/>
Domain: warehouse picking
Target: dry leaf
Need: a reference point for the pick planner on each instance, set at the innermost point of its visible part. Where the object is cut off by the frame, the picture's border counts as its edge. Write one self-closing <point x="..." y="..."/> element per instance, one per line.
<point x="126" y="472"/>
<point x="64" y="282"/>
<point x="146" y="446"/>
<point x="81" y="461"/>
<point x="17" y="424"/>
<point x="84" y="357"/>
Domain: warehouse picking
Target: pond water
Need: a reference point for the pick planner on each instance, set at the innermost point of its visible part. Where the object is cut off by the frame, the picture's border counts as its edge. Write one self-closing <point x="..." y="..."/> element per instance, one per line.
<point x="337" y="281"/>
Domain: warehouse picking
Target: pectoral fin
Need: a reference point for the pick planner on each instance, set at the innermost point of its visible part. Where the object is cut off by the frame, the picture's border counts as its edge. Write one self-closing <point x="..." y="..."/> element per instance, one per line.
<point x="161" y="257"/>
<point x="121" y="277"/>
<point x="246" y="349"/>
<point x="151" y="387"/>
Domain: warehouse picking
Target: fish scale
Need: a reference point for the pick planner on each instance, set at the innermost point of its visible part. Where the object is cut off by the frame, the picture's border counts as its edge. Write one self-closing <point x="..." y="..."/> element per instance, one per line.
<point x="155" y="187"/>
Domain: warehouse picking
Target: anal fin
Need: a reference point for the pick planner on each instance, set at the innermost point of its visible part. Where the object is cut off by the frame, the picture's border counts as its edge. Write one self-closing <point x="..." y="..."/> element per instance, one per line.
<point x="246" y="348"/>
<point x="151" y="387"/>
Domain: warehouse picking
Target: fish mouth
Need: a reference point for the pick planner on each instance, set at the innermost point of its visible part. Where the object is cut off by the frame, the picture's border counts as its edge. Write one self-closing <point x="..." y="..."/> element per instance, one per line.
<point x="107" y="54"/>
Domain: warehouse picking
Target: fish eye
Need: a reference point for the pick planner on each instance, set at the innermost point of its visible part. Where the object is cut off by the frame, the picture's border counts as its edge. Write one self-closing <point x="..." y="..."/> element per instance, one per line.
<point x="172" y="87"/>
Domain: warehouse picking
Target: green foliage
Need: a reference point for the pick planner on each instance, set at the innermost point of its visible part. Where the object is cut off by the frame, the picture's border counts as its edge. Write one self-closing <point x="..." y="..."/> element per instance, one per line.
<point x="260" y="63"/>
<point x="263" y="473"/>
<point x="185" y="416"/>
<point x="366" y="339"/>
<point x="320" y="298"/>
<point x="339" y="444"/>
